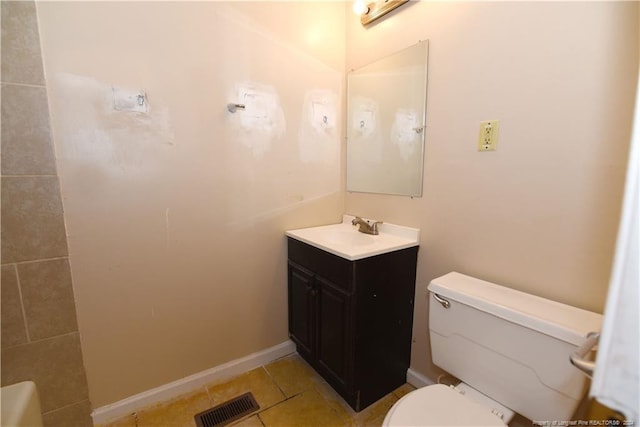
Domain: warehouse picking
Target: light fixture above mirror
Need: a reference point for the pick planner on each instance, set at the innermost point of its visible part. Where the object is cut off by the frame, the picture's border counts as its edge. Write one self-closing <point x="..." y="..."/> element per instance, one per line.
<point x="369" y="12"/>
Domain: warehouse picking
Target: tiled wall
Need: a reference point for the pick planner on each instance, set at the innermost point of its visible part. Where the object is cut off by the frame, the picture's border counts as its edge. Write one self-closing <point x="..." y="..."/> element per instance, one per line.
<point x="40" y="339"/>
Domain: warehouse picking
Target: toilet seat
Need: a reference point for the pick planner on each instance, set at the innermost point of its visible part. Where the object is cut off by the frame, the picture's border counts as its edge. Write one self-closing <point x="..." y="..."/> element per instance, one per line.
<point x="439" y="405"/>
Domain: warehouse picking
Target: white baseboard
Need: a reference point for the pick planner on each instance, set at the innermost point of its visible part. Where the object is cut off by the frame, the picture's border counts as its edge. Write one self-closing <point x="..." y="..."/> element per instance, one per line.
<point x="188" y="384"/>
<point x="418" y="380"/>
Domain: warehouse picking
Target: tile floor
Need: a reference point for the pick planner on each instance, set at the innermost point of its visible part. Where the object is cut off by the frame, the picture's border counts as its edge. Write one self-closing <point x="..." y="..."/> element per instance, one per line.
<point x="289" y="392"/>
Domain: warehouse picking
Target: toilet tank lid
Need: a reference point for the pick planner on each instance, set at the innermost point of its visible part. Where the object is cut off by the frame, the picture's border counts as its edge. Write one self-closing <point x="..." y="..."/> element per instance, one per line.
<point x="561" y="321"/>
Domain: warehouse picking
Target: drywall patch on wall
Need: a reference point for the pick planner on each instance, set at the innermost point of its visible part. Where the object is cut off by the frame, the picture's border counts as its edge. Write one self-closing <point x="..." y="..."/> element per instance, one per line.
<point x="269" y="171"/>
<point x="132" y="100"/>
<point x="261" y="121"/>
<point x="318" y="138"/>
<point x="367" y="134"/>
<point x="405" y="132"/>
<point x="103" y="136"/>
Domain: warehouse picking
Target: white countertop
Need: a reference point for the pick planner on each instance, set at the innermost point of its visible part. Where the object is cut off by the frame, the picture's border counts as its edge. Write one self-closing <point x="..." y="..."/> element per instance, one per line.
<point x="344" y="240"/>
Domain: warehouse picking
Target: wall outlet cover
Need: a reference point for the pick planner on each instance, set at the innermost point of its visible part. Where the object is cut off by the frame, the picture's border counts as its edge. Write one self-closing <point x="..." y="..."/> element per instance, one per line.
<point x="488" y="135"/>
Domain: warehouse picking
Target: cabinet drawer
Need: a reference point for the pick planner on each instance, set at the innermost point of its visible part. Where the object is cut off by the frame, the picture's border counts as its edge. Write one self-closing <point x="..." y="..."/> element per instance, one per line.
<point x="332" y="267"/>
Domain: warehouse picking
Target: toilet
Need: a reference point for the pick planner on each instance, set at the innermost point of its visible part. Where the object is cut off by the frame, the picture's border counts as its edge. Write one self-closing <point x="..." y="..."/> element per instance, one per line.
<point x="511" y="351"/>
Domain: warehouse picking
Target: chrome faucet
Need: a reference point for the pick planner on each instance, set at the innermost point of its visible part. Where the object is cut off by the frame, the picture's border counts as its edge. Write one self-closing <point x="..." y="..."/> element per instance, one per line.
<point x="365" y="227"/>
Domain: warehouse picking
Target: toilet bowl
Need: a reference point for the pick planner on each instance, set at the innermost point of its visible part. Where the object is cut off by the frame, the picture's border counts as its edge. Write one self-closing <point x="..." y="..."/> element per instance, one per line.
<point x="441" y="405"/>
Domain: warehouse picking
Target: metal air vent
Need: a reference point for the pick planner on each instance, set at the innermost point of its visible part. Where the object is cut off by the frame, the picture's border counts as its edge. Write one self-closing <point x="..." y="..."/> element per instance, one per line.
<point x="228" y="411"/>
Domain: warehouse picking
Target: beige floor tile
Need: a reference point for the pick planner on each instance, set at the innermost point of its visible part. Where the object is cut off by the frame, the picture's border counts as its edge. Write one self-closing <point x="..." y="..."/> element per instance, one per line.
<point x="374" y="414"/>
<point x="313" y="403"/>
<point x="252" y="421"/>
<point x="334" y="400"/>
<point x="257" y="381"/>
<point x="308" y="409"/>
<point x="178" y="412"/>
<point x="293" y="375"/>
<point x="403" y="390"/>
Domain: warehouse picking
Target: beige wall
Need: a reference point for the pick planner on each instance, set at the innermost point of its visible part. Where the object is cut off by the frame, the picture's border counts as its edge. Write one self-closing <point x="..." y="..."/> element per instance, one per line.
<point x="541" y="213"/>
<point x="39" y="327"/>
<point x="176" y="216"/>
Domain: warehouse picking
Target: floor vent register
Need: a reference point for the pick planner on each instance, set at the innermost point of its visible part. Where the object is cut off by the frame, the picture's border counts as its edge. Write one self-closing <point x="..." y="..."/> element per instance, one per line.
<point x="227" y="412"/>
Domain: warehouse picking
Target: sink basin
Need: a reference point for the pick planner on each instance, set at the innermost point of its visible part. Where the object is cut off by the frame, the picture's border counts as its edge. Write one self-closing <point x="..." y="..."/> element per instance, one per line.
<point x="339" y="236"/>
<point x="344" y="240"/>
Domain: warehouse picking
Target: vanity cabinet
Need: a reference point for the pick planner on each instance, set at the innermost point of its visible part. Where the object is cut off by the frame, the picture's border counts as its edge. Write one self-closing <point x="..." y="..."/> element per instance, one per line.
<point x="352" y="320"/>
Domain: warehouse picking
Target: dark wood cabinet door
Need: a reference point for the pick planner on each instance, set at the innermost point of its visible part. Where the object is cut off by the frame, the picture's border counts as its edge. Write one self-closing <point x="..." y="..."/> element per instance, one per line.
<point x="352" y="320"/>
<point x="334" y="331"/>
<point x="301" y="308"/>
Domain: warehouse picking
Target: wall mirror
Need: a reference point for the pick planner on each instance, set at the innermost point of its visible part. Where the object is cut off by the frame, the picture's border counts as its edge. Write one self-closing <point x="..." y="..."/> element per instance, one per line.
<point x="386" y="116"/>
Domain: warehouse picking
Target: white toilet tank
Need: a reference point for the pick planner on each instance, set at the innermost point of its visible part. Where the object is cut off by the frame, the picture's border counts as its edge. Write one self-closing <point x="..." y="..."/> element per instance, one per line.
<point x="511" y="346"/>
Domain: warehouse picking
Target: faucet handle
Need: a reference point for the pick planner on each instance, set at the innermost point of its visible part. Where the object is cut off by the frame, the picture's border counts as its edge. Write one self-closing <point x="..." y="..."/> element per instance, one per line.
<point x="374" y="226"/>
